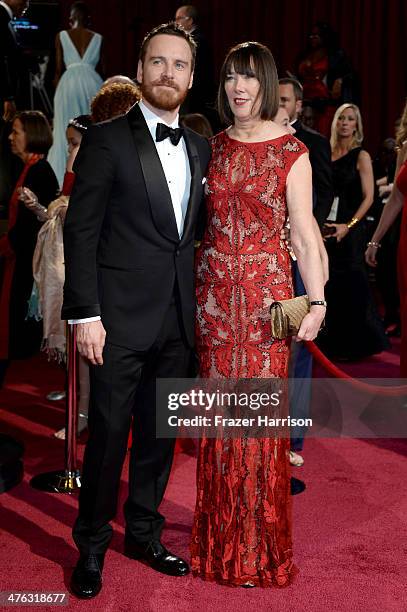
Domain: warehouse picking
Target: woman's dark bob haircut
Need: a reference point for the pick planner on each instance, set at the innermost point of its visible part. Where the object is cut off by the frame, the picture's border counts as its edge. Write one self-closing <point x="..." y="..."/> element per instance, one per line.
<point x="37" y="131"/>
<point x="251" y="59"/>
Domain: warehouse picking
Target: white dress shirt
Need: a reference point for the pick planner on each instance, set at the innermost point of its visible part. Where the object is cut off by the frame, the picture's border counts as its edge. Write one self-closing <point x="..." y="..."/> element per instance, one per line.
<point x="175" y="163"/>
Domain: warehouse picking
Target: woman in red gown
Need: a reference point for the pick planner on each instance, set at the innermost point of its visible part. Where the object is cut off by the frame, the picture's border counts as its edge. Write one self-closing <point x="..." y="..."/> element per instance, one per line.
<point x="326" y="76"/>
<point x="396" y="202"/>
<point x="258" y="175"/>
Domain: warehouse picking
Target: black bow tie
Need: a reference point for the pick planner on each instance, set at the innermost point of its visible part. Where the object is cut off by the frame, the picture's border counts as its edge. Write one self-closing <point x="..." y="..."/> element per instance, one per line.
<point x="164" y="131"/>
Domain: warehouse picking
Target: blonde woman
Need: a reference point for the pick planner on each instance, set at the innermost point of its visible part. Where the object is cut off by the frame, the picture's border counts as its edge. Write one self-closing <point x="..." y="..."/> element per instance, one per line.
<point x="396" y="202"/>
<point x="353" y="328"/>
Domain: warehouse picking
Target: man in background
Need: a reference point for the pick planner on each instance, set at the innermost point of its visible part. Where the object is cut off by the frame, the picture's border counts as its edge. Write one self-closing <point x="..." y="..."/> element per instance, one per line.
<point x="202" y="94"/>
<point x="320" y="158"/>
<point x="318" y="146"/>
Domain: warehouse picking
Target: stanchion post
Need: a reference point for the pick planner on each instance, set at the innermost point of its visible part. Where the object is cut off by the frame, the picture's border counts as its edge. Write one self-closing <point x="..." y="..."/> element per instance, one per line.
<point x="72" y="408"/>
<point x="67" y="480"/>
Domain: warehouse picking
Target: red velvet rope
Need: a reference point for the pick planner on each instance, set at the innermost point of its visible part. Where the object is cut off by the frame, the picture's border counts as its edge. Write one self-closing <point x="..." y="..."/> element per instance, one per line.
<point x="338" y="373"/>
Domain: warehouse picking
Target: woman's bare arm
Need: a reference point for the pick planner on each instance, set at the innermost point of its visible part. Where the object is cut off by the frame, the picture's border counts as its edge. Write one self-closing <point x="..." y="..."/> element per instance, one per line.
<point x="305" y="247"/>
<point x="390" y="212"/>
<point x="364" y="166"/>
<point x="59" y="63"/>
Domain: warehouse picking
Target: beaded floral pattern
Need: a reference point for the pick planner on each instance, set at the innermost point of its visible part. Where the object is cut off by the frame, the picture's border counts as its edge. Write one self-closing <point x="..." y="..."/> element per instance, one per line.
<point x="242" y="525"/>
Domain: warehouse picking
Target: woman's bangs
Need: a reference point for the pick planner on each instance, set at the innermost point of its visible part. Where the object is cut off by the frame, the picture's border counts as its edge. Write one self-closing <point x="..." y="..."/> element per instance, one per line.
<point x="242" y="62"/>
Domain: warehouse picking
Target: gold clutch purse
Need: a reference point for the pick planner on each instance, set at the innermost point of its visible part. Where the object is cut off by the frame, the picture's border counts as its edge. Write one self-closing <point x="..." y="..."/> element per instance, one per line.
<point x="286" y="316"/>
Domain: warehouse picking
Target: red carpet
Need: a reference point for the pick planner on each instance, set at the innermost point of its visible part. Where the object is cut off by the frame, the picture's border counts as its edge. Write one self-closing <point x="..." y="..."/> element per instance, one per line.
<point x="350" y="525"/>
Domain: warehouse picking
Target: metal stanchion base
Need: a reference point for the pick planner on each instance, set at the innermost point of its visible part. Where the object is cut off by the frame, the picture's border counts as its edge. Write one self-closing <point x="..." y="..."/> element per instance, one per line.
<point x="60" y="481"/>
<point x="56" y="395"/>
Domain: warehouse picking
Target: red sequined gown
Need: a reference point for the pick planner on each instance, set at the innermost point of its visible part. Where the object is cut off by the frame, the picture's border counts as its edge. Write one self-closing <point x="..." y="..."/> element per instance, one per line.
<point x="313" y="75"/>
<point x="402" y="269"/>
<point x="242" y="523"/>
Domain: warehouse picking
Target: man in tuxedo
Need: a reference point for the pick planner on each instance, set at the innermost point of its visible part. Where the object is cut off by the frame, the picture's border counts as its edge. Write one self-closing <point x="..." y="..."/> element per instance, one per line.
<point x="318" y="146"/>
<point x="10" y="62"/>
<point x="129" y="249"/>
<point x="201" y="97"/>
<point x="320" y="159"/>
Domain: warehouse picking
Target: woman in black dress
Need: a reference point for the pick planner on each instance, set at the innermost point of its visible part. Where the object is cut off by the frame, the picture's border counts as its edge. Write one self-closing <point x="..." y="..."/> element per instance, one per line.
<point x="30" y="140"/>
<point x="353" y="328"/>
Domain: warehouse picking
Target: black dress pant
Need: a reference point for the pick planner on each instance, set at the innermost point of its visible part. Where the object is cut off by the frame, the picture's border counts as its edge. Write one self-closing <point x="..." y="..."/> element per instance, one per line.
<point x="125" y="386"/>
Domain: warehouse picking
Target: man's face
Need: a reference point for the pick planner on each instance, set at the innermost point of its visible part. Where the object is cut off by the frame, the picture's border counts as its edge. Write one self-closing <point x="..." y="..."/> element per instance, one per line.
<point x="183" y="20"/>
<point x="288" y="101"/>
<point x="19" y="7"/>
<point x="307" y="116"/>
<point x="166" y="72"/>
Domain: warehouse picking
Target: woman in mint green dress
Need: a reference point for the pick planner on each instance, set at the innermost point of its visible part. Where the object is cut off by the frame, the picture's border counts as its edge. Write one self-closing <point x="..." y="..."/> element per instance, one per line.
<point x="79" y="50"/>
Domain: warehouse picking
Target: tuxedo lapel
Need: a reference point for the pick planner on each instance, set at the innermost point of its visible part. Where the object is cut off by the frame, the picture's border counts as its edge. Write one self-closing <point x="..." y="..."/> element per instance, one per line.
<point x="12" y="32"/>
<point x="196" y="185"/>
<point x="154" y="177"/>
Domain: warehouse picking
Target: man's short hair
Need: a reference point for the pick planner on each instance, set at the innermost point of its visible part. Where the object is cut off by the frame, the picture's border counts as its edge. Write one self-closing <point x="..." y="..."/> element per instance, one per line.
<point x="191" y="11"/>
<point x="297" y="87"/>
<point x="170" y="29"/>
<point x="37" y="130"/>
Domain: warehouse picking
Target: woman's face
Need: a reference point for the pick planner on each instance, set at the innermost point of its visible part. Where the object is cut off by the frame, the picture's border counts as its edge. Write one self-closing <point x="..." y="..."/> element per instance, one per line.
<point x="18" y="139"/>
<point x="347" y="123"/>
<point x="74" y="138"/>
<point x="242" y="91"/>
<point x="73" y="19"/>
<point x="283" y="120"/>
<point x="315" y="38"/>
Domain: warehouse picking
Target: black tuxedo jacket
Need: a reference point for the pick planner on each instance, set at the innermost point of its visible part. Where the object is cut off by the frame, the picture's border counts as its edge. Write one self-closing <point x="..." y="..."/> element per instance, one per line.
<point x="320" y="159"/>
<point x="10" y="58"/>
<point x="123" y="255"/>
<point x="203" y="92"/>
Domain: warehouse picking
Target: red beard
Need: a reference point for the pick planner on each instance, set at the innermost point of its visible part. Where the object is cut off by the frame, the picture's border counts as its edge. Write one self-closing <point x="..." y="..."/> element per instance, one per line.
<point x="167" y="99"/>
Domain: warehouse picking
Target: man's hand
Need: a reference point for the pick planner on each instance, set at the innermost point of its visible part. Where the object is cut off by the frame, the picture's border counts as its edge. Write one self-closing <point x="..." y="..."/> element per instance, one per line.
<point x="9" y="110"/>
<point x="90" y="339"/>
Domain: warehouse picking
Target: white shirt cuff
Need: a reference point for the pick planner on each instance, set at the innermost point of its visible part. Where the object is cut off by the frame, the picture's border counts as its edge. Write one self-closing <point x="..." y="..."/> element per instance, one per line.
<point x="88" y="320"/>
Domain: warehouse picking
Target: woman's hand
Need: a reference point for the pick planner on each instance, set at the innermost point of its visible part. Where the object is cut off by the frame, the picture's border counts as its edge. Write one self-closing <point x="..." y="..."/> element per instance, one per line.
<point x="30" y="200"/>
<point x="370" y="256"/>
<point x="311" y="324"/>
<point x="341" y="230"/>
<point x="385" y="190"/>
<point x="285" y="236"/>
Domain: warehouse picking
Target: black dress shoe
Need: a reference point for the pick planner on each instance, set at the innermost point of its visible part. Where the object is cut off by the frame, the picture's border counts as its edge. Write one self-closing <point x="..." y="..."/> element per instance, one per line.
<point x="157" y="557"/>
<point x="297" y="486"/>
<point x="86" y="581"/>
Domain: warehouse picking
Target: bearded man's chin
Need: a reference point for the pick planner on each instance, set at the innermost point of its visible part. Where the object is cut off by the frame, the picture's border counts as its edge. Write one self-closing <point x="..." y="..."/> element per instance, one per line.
<point x="164" y="100"/>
